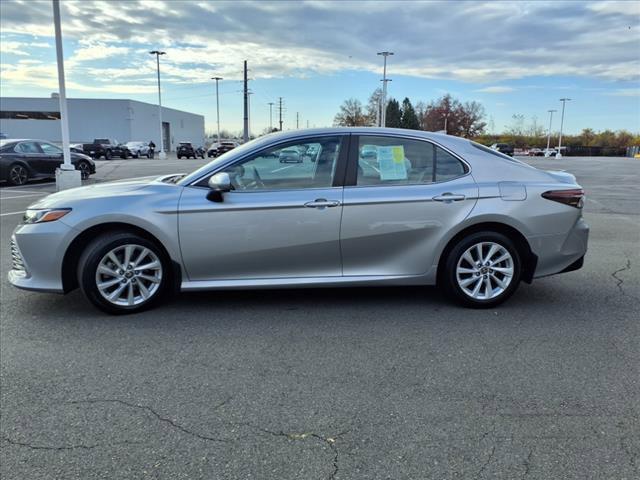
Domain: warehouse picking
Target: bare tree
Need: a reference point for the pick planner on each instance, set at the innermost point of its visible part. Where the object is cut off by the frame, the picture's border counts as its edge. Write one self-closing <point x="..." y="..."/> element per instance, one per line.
<point x="351" y="114"/>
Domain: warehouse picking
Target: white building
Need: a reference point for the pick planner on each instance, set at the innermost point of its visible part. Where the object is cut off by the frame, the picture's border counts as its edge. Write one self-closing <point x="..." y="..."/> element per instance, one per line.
<point x="89" y="118"/>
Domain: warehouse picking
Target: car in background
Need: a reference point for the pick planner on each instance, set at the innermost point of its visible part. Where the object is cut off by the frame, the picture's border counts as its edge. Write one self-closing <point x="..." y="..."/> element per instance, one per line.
<point x="22" y="160"/>
<point x="505" y="148"/>
<point x="549" y="152"/>
<point x="212" y="151"/>
<point x="215" y="150"/>
<point x="139" y="149"/>
<point x="535" y="152"/>
<point x="107" y="148"/>
<point x="455" y="214"/>
<point x="290" y="155"/>
<point x="187" y="150"/>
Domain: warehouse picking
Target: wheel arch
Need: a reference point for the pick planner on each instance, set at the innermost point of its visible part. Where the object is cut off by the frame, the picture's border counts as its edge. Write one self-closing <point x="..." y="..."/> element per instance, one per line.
<point x="75" y="249"/>
<point x="529" y="259"/>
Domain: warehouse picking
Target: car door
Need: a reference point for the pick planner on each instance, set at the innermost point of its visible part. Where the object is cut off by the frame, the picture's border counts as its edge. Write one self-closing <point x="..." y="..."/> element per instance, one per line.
<point x="52" y="157"/>
<point x="401" y="196"/>
<point x="281" y="220"/>
<point x="30" y="152"/>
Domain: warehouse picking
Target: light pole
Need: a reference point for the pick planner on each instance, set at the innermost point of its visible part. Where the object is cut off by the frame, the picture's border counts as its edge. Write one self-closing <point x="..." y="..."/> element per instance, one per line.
<point x="384" y="88"/>
<point x="446" y="117"/>
<point x="270" y="117"/>
<point x="563" y="100"/>
<point x="546" y="153"/>
<point x="162" y="155"/>
<point x="66" y="175"/>
<point x="217" y="79"/>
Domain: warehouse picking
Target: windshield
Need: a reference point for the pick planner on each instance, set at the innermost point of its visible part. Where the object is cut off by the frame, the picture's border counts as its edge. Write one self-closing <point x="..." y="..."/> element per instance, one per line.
<point x="497" y="153"/>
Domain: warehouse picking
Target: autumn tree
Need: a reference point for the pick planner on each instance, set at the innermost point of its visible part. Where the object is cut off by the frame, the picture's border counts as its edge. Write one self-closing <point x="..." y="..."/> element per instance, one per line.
<point x="351" y="114"/>
<point x="374" y="107"/>
<point x="462" y="119"/>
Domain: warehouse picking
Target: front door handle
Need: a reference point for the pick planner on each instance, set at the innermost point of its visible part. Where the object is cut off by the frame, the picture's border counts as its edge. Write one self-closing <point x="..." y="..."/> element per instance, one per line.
<point x="322" y="203"/>
<point x="449" y="197"/>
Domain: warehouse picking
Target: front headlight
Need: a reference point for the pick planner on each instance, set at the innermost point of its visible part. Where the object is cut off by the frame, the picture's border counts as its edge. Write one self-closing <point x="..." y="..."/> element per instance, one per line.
<point x="35" y="215"/>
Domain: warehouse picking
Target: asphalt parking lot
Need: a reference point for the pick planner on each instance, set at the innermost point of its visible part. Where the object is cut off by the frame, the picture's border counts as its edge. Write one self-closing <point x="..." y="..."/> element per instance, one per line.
<point x="389" y="383"/>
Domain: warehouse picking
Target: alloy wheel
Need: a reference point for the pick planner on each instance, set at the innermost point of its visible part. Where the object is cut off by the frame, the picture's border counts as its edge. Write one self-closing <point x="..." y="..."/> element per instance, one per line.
<point x="485" y="270"/>
<point x="18" y="175"/>
<point x="129" y="275"/>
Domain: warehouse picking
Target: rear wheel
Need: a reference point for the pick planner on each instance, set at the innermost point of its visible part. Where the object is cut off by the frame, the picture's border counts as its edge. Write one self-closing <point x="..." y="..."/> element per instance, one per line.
<point x="107" y="155"/>
<point x="123" y="273"/>
<point x="18" y="174"/>
<point x="482" y="270"/>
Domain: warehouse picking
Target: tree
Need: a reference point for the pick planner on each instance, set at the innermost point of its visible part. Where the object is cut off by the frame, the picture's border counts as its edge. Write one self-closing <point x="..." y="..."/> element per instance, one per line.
<point x="466" y="120"/>
<point x="470" y="119"/>
<point x="421" y="109"/>
<point x="394" y="114"/>
<point x="374" y="107"/>
<point x="351" y="114"/>
<point x="409" y="119"/>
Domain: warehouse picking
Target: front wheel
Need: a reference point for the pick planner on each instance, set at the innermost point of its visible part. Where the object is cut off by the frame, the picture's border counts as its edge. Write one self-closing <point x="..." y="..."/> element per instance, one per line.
<point x="482" y="270"/>
<point x="123" y="273"/>
<point x="107" y="155"/>
<point x="18" y="175"/>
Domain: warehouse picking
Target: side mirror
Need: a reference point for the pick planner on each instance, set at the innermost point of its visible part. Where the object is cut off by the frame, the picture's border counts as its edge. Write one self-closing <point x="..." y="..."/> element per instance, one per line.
<point x="219" y="183"/>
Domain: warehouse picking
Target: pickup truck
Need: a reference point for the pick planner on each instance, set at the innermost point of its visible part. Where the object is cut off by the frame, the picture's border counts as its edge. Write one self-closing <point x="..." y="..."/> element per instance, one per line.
<point x="107" y="148"/>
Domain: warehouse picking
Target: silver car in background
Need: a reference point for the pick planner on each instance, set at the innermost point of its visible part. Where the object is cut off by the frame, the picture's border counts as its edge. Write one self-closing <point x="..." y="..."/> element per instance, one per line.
<point x="428" y="209"/>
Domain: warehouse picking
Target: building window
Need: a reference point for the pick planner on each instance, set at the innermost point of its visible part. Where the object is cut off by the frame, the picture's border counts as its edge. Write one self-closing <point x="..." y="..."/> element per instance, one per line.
<point x="14" y="115"/>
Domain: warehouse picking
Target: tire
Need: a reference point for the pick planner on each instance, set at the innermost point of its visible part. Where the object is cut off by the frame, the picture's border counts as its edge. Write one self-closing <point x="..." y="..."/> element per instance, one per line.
<point x="18" y="174"/>
<point x="465" y="281"/>
<point x="107" y="155"/>
<point x="130" y="298"/>
<point x="124" y="155"/>
<point x="85" y="169"/>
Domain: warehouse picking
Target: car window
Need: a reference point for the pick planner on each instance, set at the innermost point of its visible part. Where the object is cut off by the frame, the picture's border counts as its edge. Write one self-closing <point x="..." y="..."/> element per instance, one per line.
<point x="27" y="147"/>
<point x="50" y="149"/>
<point x="308" y="163"/>
<point x="403" y="161"/>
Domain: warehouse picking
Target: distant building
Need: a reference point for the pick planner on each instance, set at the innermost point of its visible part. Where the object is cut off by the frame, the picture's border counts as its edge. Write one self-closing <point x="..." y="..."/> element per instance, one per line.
<point x="89" y="118"/>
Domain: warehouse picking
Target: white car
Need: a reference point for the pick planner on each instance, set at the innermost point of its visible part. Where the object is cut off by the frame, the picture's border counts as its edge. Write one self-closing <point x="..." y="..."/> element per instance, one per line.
<point x="139" y="149"/>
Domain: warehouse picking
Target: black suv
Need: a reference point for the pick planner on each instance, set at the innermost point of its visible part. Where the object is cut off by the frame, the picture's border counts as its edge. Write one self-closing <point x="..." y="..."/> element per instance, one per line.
<point x="186" y="149"/>
<point x="503" y="148"/>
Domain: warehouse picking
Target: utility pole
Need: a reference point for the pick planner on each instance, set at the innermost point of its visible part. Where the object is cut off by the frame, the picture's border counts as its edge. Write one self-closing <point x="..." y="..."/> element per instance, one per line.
<point x="245" y="134"/>
<point x="66" y="174"/>
<point x="563" y="100"/>
<point x="384" y="88"/>
<point x="297" y="120"/>
<point x="270" y="117"/>
<point x="217" y="79"/>
<point x="280" y="111"/>
<point x="249" y="93"/>
<point x="549" y="133"/>
<point x="162" y="155"/>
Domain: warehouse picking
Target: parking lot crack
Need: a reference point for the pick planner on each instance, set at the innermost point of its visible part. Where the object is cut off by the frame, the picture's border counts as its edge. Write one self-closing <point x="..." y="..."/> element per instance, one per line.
<point x="172" y="423"/>
<point x="487" y="462"/>
<point x="632" y="455"/>
<point x="527" y="464"/>
<point x="63" y="447"/>
<point x="620" y="281"/>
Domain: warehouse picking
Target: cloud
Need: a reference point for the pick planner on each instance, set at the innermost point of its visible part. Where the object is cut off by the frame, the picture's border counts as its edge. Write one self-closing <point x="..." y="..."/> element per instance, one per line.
<point x="625" y="92"/>
<point x="495" y="89"/>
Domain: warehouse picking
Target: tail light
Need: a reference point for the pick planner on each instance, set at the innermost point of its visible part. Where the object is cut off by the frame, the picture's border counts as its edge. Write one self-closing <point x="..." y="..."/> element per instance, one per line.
<point x="573" y="197"/>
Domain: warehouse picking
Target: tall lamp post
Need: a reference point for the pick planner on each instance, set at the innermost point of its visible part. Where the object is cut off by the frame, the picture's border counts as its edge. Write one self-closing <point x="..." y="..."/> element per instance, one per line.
<point x="384" y="88"/>
<point x="66" y="175"/>
<point x="162" y="155"/>
<point x="563" y="100"/>
<point x="270" y="117"/>
<point x="217" y="79"/>
<point x="546" y="153"/>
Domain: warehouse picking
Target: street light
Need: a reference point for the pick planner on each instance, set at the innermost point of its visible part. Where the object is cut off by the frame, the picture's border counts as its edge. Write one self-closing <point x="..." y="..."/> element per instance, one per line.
<point x="162" y="154"/>
<point x="270" y="117"/>
<point x="217" y="79"/>
<point x="384" y="88"/>
<point x="563" y="100"/>
<point x="549" y="133"/>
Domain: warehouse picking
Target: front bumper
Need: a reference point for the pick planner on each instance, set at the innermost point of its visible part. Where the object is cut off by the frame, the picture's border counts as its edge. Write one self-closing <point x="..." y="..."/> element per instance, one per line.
<point x="37" y="254"/>
<point x="557" y="253"/>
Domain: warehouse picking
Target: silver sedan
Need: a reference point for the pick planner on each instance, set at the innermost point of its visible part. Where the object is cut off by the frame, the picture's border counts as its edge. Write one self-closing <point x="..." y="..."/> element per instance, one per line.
<point x="377" y="207"/>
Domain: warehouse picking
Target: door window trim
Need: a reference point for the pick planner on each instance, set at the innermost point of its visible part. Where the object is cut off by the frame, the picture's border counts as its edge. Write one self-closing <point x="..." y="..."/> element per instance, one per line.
<point x="351" y="178"/>
<point x="338" y="177"/>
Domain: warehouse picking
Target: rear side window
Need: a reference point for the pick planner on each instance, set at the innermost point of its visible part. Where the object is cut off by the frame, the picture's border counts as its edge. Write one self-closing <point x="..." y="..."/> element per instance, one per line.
<point x="496" y="153"/>
<point x="404" y="161"/>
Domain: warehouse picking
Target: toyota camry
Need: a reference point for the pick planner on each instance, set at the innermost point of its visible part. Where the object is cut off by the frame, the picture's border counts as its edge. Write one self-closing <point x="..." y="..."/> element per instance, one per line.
<point x="378" y="207"/>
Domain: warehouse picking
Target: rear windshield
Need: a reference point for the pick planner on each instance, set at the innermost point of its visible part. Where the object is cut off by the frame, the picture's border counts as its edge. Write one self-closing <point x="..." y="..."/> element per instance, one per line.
<point x="496" y="153"/>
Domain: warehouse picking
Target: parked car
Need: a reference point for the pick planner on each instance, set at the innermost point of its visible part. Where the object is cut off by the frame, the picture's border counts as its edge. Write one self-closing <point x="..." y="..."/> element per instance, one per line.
<point x="22" y="160"/>
<point x="475" y="222"/>
<point x="138" y="149"/>
<point x="290" y="155"/>
<point x="212" y="151"/>
<point x="549" y="152"/>
<point x="215" y="150"/>
<point x="505" y="148"/>
<point x="75" y="147"/>
<point x="187" y="150"/>
<point x="535" y="152"/>
<point x="107" y="148"/>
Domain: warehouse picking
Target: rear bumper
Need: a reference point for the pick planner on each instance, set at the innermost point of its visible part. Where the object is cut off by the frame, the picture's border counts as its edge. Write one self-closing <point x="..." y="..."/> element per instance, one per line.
<point x="561" y="253"/>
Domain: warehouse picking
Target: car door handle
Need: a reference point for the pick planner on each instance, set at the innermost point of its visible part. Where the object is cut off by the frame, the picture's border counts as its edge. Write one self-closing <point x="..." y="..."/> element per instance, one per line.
<point x="449" y="197"/>
<point x="322" y="203"/>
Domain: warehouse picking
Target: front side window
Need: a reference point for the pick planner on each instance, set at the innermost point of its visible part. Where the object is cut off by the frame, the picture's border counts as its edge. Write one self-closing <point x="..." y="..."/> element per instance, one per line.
<point x="403" y="161"/>
<point x="50" y="149"/>
<point x="27" y="147"/>
<point x="309" y="163"/>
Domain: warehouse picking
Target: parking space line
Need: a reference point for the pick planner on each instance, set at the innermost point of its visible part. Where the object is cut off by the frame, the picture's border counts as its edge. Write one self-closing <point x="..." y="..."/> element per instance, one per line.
<point x="24" y="196"/>
<point x="283" y="168"/>
<point x="10" y="213"/>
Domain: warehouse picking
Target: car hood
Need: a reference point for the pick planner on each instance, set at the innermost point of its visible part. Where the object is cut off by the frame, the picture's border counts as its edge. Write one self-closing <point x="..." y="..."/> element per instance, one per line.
<point x="104" y="190"/>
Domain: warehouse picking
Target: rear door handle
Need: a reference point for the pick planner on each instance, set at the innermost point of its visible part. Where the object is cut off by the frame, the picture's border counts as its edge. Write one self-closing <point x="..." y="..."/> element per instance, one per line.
<point x="322" y="203"/>
<point x="449" y="197"/>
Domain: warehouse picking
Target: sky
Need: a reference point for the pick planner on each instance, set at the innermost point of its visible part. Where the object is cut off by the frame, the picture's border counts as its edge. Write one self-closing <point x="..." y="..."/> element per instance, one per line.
<point x="516" y="58"/>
